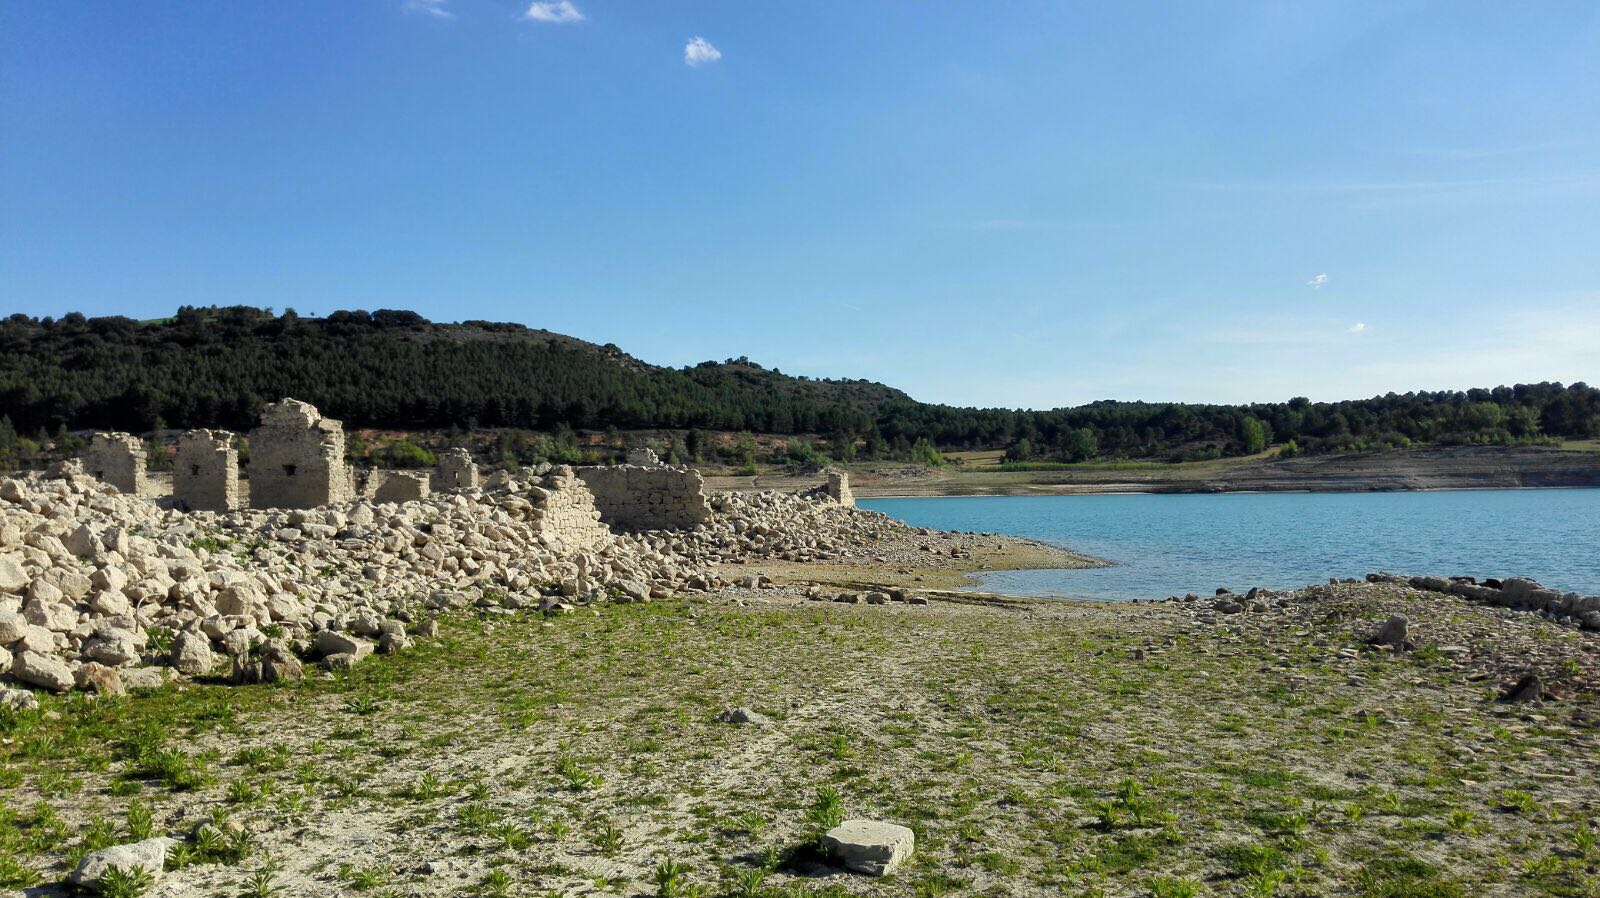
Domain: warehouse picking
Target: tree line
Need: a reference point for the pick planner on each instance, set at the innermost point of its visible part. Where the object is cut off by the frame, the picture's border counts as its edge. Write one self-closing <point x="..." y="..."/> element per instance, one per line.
<point x="216" y="367"/>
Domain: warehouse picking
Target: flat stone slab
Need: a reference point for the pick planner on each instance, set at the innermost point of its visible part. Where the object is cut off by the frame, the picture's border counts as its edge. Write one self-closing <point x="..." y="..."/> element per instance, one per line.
<point x="870" y="846"/>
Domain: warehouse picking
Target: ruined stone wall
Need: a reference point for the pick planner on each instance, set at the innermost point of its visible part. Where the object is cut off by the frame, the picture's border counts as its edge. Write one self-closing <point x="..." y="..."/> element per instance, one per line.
<point x="297" y="459"/>
<point x="205" y="471"/>
<point x="644" y="458"/>
<point x="400" y="486"/>
<point x="838" y="488"/>
<point x="564" y="512"/>
<point x="117" y="459"/>
<point x="455" y="471"/>
<point x="634" y="497"/>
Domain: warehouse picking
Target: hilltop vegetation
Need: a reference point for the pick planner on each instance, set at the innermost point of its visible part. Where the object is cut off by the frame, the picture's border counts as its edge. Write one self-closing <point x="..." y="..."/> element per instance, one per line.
<point x="394" y="369"/>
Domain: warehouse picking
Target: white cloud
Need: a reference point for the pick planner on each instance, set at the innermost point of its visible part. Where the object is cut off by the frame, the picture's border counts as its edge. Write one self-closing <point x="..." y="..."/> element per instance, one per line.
<point x="1318" y="282"/>
<point x="698" y="52"/>
<point x="558" y="12"/>
<point x="1358" y="328"/>
<point x="435" y="8"/>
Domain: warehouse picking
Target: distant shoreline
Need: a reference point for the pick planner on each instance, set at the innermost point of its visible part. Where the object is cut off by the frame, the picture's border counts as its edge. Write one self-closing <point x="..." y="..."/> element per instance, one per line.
<point x="1399" y="470"/>
<point x="1202" y="492"/>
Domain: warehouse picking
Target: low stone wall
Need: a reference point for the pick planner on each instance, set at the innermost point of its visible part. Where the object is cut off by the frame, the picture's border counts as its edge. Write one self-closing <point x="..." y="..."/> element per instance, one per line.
<point x="117" y="459"/>
<point x="400" y="486"/>
<point x="205" y="471"/>
<point x="657" y="497"/>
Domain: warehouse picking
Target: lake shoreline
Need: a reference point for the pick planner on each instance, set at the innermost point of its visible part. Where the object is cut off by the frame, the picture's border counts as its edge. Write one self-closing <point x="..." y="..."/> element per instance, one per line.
<point x="1388" y="471"/>
<point x="1159" y="547"/>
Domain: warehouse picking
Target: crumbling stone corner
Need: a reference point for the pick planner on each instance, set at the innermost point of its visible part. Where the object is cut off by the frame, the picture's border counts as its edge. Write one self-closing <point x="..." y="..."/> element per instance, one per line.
<point x="118" y="459"/>
<point x="205" y="471"/>
<point x="838" y="488"/>
<point x="455" y="471"/>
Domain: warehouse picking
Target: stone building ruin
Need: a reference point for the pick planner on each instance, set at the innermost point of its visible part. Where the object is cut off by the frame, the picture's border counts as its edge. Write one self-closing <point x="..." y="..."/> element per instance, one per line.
<point x="455" y="471"/>
<point x="838" y="488"/>
<point x="118" y="459"/>
<point x="297" y="459"/>
<point x="639" y="497"/>
<point x="564" y="512"/>
<point x="401" y="486"/>
<point x="645" y="458"/>
<point x="205" y="471"/>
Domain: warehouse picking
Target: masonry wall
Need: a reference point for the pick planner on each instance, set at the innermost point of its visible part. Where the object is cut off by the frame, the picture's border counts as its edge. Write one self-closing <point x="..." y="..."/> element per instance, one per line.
<point x="633" y="497"/>
<point x="838" y="488"/>
<point x="455" y="471"/>
<point x="401" y="486"/>
<point x="205" y="471"/>
<point x="297" y="459"/>
<point x="565" y="514"/>
<point x="117" y="459"/>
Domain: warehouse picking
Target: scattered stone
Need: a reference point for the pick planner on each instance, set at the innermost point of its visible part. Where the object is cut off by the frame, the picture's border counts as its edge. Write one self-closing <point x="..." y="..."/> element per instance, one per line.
<point x="870" y="846"/>
<point x="1528" y="689"/>
<point x="1393" y="633"/>
<point x="744" y="716"/>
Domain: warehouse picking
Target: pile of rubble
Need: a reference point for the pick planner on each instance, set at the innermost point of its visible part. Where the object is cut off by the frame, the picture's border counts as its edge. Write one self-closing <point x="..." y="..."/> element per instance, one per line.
<point x="101" y="589"/>
<point x="1569" y="608"/>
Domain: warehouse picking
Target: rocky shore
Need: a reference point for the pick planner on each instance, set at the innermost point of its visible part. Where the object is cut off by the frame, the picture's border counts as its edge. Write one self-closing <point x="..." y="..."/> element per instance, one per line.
<point x="786" y="699"/>
<point x="104" y="590"/>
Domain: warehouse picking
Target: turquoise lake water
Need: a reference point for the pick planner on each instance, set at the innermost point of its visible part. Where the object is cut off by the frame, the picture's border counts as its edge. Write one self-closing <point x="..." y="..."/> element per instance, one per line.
<point x="1172" y="544"/>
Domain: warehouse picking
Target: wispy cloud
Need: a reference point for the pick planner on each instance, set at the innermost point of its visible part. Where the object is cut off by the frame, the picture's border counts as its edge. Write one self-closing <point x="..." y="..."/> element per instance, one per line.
<point x="1360" y="327"/>
<point x="698" y="52"/>
<point x="435" y="8"/>
<point x="1318" y="282"/>
<point x="555" y="12"/>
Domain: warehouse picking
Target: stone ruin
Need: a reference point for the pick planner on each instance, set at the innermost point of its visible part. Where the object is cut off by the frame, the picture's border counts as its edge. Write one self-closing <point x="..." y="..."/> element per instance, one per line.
<point x="563" y="512"/>
<point x="117" y="459"/>
<point x="645" y="458"/>
<point x="640" y="497"/>
<point x="455" y="471"/>
<point x="205" y="471"/>
<point x="297" y="459"/>
<point x="838" y="488"/>
<point x="400" y="486"/>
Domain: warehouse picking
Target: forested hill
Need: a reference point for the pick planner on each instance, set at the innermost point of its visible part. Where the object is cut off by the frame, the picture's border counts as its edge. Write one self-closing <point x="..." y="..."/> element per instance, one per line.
<point x="391" y="369"/>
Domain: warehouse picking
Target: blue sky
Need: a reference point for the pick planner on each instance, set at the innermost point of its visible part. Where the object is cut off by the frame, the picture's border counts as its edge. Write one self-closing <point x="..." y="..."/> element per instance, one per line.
<point x="1010" y="204"/>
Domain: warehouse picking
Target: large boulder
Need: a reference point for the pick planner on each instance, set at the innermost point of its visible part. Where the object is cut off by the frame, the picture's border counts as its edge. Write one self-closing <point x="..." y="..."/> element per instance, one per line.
<point x="13" y="627"/>
<point x="1393" y="632"/>
<point x="50" y="615"/>
<point x="330" y="642"/>
<point x="192" y="654"/>
<point x="12" y="577"/>
<point x="114" y="646"/>
<point x="870" y="846"/>
<point x="43" y="671"/>
<point x="149" y="855"/>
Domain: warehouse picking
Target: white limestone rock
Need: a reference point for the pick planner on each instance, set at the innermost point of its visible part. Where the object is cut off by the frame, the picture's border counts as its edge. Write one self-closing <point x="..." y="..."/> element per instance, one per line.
<point x="870" y="846"/>
<point x="149" y="855"/>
